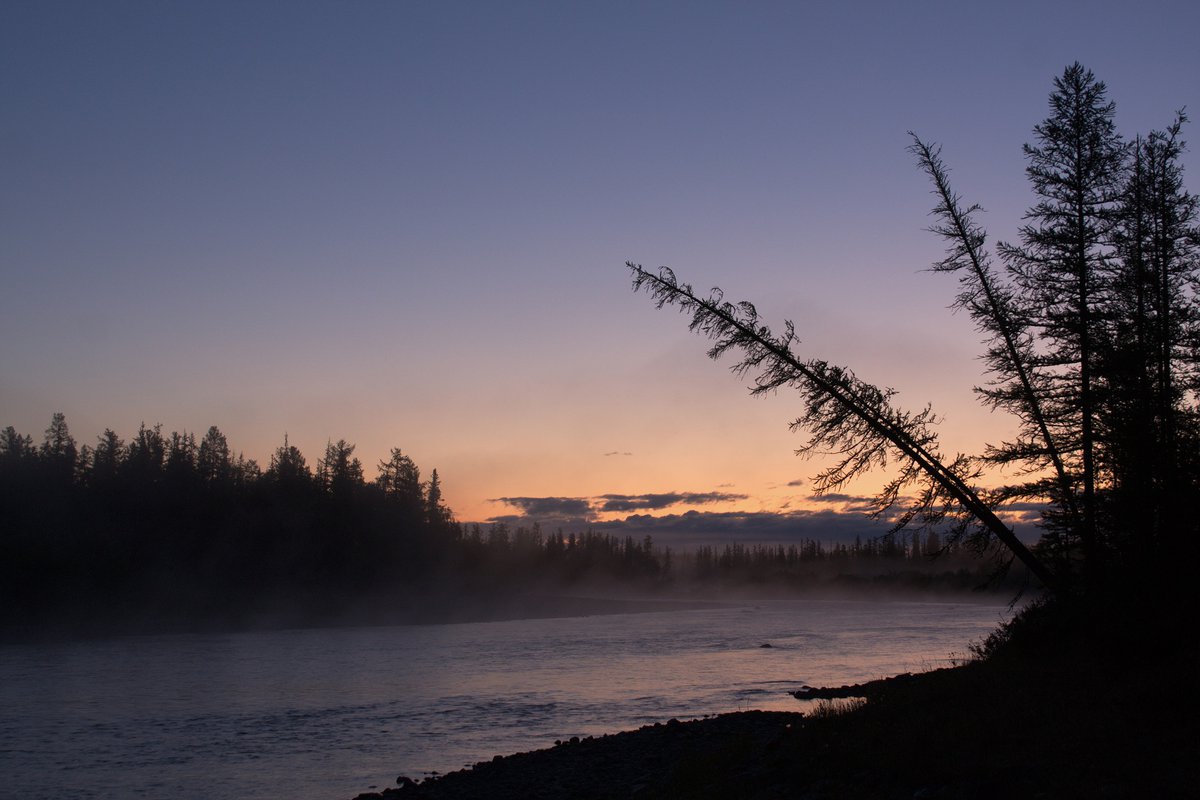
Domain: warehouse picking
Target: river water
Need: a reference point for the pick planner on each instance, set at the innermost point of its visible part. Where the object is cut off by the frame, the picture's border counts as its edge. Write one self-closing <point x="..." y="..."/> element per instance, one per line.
<point x="323" y="714"/>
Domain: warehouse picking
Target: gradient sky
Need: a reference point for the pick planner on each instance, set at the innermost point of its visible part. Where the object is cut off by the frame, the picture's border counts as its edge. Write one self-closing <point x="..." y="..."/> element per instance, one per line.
<point x="405" y="224"/>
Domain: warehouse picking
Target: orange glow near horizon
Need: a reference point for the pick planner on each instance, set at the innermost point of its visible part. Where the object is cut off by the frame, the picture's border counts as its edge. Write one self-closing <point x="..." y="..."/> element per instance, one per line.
<point x="419" y="241"/>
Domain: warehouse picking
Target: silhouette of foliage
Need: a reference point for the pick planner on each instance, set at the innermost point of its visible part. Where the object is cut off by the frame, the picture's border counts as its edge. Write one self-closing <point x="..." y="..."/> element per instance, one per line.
<point x="1090" y="334"/>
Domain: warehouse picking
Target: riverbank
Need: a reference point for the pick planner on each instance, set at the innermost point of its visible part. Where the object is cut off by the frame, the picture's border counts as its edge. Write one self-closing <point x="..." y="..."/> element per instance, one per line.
<point x="1060" y="709"/>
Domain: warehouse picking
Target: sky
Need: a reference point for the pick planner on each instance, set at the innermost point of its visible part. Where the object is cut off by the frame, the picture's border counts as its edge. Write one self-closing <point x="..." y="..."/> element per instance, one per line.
<point x="405" y="224"/>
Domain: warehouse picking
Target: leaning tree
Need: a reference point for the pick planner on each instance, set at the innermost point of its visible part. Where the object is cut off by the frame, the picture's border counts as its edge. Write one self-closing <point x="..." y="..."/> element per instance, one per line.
<point x="1063" y="340"/>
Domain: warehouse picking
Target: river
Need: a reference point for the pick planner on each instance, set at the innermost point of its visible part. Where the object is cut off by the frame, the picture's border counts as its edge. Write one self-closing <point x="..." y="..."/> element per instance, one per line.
<point x="322" y="714"/>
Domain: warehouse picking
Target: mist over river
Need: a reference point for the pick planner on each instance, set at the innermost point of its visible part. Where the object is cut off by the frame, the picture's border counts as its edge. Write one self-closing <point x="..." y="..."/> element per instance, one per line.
<point x="323" y="714"/>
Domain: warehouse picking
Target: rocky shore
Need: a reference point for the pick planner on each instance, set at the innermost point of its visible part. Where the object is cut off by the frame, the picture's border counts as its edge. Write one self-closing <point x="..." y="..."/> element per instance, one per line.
<point x="1072" y="722"/>
<point x="626" y="765"/>
<point x="738" y="751"/>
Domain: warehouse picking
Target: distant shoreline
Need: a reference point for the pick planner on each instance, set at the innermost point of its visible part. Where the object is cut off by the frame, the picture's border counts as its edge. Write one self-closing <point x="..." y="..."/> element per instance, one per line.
<point x="452" y="608"/>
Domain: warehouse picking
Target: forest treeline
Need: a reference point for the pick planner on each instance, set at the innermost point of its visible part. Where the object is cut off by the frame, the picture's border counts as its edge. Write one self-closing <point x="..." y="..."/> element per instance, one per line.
<point x="169" y="529"/>
<point x="175" y="527"/>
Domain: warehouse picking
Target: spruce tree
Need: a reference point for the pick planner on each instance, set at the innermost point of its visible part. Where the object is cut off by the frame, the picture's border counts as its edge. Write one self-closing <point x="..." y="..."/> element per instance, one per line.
<point x="1063" y="271"/>
<point x="59" y="452"/>
<point x="1014" y="384"/>
<point x="214" y="461"/>
<point x="288" y="469"/>
<point x="1152" y="362"/>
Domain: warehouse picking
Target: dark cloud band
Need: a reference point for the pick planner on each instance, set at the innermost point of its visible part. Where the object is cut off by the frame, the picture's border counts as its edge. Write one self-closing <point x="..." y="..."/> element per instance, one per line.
<point x="571" y="507"/>
<point x="650" y="502"/>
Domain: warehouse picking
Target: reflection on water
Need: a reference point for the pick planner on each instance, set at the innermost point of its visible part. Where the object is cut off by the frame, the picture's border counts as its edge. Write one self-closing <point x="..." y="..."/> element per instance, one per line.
<point x="328" y="713"/>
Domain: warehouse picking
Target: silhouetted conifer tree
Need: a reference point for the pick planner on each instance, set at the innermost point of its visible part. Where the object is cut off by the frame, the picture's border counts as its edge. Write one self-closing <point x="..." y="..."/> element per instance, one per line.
<point x="436" y="513"/>
<point x="288" y="469"/>
<point x="15" y="449"/>
<point x="1091" y="336"/>
<point x="214" y="462"/>
<point x="1015" y="385"/>
<point x="59" y="452"/>
<point x="401" y="478"/>
<point x="1151" y="364"/>
<point x="1064" y="271"/>
<point x="107" y="458"/>
<point x="181" y="459"/>
<point x="147" y="453"/>
<point x="340" y="472"/>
